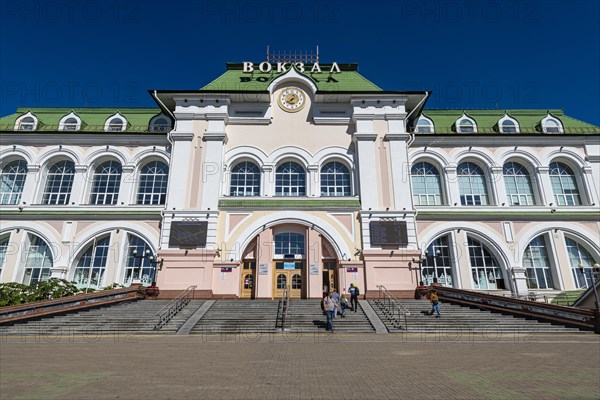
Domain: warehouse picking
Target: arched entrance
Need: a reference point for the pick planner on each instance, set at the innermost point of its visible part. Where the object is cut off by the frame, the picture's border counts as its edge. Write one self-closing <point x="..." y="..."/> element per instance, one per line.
<point x="288" y="255"/>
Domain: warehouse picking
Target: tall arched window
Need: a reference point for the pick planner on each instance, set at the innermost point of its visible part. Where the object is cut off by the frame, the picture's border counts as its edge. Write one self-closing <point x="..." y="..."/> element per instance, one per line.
<point x="245" y="179"/>
<point x="290" y="180"/>
<point x="3" y="251"/>
<point x="438" y="263"/>
<point x="106" y="183"/>
<point x="335" y="179"/>
<point x="564" y="185"/>
<point x="59" y="183"/>
<point x="39" y="261"/>
<point x="426" y="184"/>
<point x="537" y="265"/>
<point x="485" y="272"/>
<point x="472" y="186"/>
<point x="12" y="181"/>
<point x="92" y="264"/>
<point x="519" y="191"/>
<point x="289" y="243"/>
<point x="579" y="255"/>
<point x="138" y="269"/>
<point x="153" y="183"/>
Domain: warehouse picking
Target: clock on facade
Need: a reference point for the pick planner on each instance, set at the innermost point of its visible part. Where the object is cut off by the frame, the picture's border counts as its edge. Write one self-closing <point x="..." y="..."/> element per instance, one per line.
<point x="292" y="99"/>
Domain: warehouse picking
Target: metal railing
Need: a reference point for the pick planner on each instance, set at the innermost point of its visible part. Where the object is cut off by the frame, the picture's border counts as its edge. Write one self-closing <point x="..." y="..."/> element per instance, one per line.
<point x="283" y="308"/>
<point x="567" y="316"/>
<point x="392" y="308"/>
<point x="85" y="129"/>
<point x="170" y="310"/>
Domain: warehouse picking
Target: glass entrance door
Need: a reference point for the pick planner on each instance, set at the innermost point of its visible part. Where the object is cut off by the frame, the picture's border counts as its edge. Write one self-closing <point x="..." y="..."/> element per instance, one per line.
<point x="329" y="276"/>
<point x="289" y="273"/>
<point x="248" y="280"/>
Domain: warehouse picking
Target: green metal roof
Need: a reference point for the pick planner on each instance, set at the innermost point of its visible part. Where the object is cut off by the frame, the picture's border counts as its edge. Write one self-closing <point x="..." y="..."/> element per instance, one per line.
<point x="348" y="79"/>
<point x="487" y="120"/>
<point x="93" y="119"/>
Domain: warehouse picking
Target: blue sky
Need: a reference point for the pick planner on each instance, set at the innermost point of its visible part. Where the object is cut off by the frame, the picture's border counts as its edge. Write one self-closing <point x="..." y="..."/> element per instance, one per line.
<point x="491" y="54"/>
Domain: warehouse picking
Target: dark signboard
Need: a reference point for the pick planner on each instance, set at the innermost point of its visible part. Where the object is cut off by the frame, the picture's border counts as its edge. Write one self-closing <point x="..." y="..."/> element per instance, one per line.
<point x="388" y="233"/>
<point x="188" y="234"/>
<point x="226" y="269"/>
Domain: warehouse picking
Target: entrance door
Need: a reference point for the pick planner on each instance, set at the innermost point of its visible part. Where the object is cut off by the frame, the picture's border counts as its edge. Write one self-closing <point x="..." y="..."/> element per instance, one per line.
<point x="289" y="273"/>
<point x="248" y="279"/>
<point x="329" y="276"/>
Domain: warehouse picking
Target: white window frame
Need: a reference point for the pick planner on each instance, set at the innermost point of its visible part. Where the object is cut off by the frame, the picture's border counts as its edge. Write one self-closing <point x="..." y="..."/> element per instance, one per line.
<point x="138" y="269"/>
<point x="151" y="195"/>
<point x="46" y="272"/>
<point x="576" y="198"/>
<point x="554" y="119"/>
<point x="428" y="198"/>
<point x="47" y="197"/>
<point x="107" y="124"/>
<point x="293" y="190"/>
<point x="582" y="256"/>
<point x="332" y="191"/>
<point x="13" y="196"/>
<point x="439" y="266"/>
<point x="509" y="118"/>
<point x="19" y="122"/>
<point x="101" y="244"/>
<point x="63" y="126"/>
<point x="244" y="188"/>
<point x="423" y="118"/>
<point x="484" y="199"/>
<point x="107" y="198"/>
<point x="541" y="263"/>
<point x="462" y="118"/>
<point x="510" y="197"/>
<point x="478" y="250"/>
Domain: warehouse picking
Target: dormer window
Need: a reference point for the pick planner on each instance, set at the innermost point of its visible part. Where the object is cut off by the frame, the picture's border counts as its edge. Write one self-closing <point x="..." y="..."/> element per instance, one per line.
<point x="70" y="124"/>
<point x="27" y="122"/>
<point x="424" y="125"/>
<point x="466" y="125"/>
<point x="551" y="125"/>
<point x="508" y="125"/>
<point x="115" y="123"/>
<point x="160" y="124"/>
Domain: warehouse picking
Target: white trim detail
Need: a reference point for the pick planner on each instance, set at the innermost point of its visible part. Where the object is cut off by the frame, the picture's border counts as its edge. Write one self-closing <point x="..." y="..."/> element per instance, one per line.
<point x="551" y="118"/>
<point x="508" y="118"/>
<point x="462" y="118"/>
<point x="113" y="117"/>
<point x="19" y="122"/>
<point x="62" y="124"/>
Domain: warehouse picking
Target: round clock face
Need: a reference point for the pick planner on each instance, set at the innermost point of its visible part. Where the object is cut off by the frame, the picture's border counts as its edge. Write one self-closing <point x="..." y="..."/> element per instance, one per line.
<point x="292" y="99"/>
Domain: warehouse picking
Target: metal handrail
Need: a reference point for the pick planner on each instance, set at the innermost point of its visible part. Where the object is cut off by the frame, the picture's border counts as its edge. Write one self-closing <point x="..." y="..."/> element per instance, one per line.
<point x="393" y="305"/>
<point x="284" y="307"/>
<point x="166" y="313"/>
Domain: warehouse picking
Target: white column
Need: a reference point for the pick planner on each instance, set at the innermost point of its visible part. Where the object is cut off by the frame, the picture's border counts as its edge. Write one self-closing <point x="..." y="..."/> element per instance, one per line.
<point x="212" y="167"/>
<point x="367" y="169"/>
<point x="400" y="171"/>
<point x="268" y="180"/>
<point x="128" y="185"/>
<point x="314" y="181"/>
<point x="80" y="180"/>
<point x="453" y="191"/>
<point x="32" y="181"/>
<point x="498" y="187"/>
<point x="179" y="170"/>
<point x="590" y="187"/>
<point x="545" y="186"/>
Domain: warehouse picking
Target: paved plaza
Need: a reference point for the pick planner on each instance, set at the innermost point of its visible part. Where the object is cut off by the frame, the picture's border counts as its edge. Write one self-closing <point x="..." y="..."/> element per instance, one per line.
<point x="293" y="366"/>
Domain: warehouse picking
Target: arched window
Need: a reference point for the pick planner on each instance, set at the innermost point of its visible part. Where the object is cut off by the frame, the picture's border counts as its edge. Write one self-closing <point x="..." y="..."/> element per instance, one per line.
<point x="537" y="265"/>
<point x="245" y="179"/>
<point x="39" y="261"/>
<point x="290" y="180"/>
<point x="27" y="124"/>
<point x="472" y="185"/>
<point x="289" y="243"/>
<point x="438" y="263"/>
<point x="138" y="269"/>
<point x="485" y="272"/>
<point x="564" y="185"/>
<point x="424" y="125"/>
<point x="92" y="264"/>
<point x="519" y="191"/>
<point x="508" y="126"/>
<point x="426" y="184"/>
<point x="115" y="125"/>
<point x="579" y="255"/>
<point x="466" y="125"/>
<point x="59" y="183"/>
<point x="70" y="124"/>
<point x="335" y="179"/>
<point x="3" y="251"/>
<point x="153" y="183"/>
<point x="106" y="183"/>
<point x="551" y="125"/>
<point x="12" y="181"/>
<point x="160" y="124"/>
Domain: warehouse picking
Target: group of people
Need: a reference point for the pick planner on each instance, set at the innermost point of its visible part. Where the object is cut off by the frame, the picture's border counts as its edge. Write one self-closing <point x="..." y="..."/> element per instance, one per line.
<point x="333" y="302"/>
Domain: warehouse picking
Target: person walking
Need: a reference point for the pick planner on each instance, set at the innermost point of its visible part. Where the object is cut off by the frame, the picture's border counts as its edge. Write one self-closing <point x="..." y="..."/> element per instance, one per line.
<point x="344" y="305"/>
<point x="336" y="298"/>
<point x="354" y="293"/>
<point x="329" y="307"/>
<point x="435" y="304"/>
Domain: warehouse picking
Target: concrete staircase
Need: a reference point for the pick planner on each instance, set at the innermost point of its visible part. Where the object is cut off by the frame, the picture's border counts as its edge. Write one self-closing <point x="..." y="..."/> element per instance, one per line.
<point x="131" y="317"/>
<point x="238" y="317"/>
<point x="306" y="316"/>
<point x="459" y="321"/>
